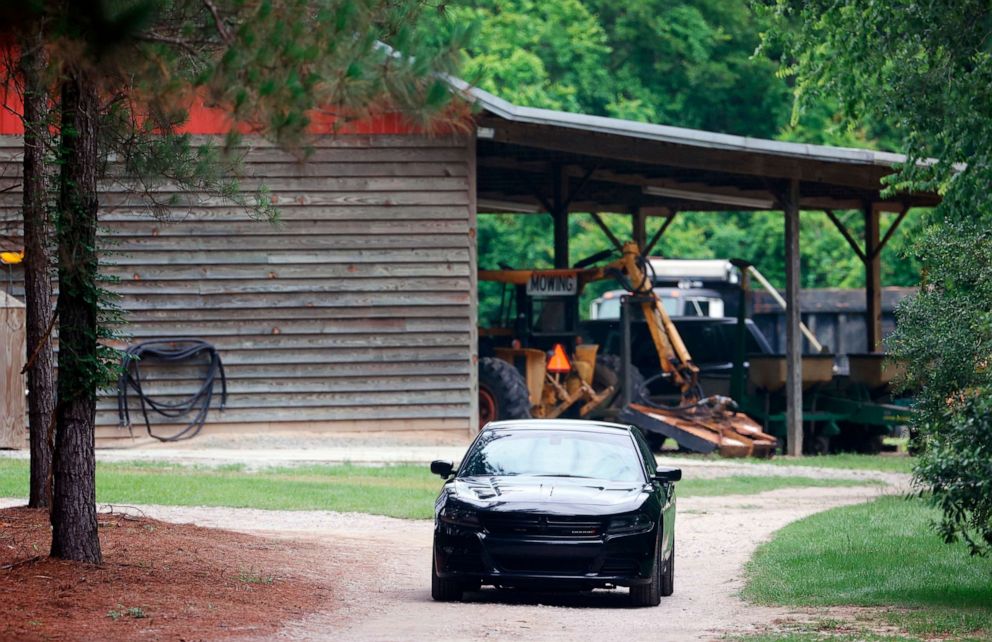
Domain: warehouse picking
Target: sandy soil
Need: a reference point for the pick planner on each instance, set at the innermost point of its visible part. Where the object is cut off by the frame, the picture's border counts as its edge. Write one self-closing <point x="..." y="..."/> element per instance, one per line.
<point x="379" y="569"/>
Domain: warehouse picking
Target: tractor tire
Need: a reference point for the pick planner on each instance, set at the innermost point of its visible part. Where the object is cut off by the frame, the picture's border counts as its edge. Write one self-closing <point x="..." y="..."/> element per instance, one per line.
<point x="609" y="373"/>
<point x="502" y="392"/>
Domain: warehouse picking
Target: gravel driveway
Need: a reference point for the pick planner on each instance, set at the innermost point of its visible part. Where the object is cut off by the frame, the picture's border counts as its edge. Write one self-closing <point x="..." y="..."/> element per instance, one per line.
<point x="378" y="569"/>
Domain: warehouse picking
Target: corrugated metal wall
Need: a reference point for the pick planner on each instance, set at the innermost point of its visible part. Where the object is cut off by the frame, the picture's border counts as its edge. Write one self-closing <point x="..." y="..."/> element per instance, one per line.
<point x="355" y="311"/>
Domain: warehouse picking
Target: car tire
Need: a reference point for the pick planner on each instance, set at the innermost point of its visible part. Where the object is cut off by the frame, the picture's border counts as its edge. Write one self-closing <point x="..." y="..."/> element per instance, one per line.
<point x="649" y="594"/>
<point x="444" y="590"/>
<point x="503" y="392"/>
<point x="668" y="577"/>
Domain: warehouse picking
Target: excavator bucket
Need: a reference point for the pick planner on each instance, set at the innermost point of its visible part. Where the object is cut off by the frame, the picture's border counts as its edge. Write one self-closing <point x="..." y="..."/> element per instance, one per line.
<point x="709" y="426"/>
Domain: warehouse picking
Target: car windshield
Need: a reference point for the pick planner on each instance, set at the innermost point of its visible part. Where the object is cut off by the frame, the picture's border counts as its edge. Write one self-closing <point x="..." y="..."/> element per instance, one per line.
<point x="554" y="453"/>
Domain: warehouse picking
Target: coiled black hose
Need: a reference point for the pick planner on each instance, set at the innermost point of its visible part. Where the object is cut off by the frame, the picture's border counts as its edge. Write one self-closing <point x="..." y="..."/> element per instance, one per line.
<point x="170" y="350"/>
<point x="713" y="401"/>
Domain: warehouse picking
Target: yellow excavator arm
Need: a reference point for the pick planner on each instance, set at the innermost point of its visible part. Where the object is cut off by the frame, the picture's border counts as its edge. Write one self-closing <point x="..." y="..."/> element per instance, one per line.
<point x="674" y="356"/>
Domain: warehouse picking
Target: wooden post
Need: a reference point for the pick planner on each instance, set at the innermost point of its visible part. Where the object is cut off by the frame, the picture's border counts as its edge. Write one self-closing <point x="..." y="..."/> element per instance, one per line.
<point x="473" y="267"/>
<point x="639" y="228"/>
<point x="873" y="280"/>
<point x="793" y="335"/>
<point x="559" y="214"/>
<point x="12" y="356"/>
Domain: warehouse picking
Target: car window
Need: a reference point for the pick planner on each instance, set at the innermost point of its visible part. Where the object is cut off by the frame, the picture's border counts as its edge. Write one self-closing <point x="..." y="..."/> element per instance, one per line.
<point x="554" y="453"/>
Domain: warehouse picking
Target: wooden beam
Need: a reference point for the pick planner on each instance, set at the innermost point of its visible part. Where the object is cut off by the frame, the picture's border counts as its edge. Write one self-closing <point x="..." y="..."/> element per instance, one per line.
<point x="793" y="335"/>
<point x="873" y="280"/>
<point x="846" y="234"/>
<point x="559" y="213"/>
<point x="473" y="267"/>
<point x="646" y="251"/>
<point x="609" y="234"/>
<point x="536" y="192"/>
<point x="572" y="193"/>
<point x="640" y="180"/>
<point x="639" y="226"/>
<point x="600" y="145"/>
<point x="892" y="228"/>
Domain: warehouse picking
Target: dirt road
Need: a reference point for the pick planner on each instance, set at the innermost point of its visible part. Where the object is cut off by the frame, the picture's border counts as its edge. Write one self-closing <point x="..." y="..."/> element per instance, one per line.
<point x="378" y="569"/>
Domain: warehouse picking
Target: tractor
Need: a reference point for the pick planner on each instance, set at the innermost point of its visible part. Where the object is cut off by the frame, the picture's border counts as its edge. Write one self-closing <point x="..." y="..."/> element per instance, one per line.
<point x="535" y="364"/>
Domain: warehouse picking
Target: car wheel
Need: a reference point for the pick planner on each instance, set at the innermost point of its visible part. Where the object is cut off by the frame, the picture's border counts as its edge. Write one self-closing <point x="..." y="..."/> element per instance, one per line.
<point x="649" y="594"/>
<point x="444" y="590"/>
<point x="668" y="577"/>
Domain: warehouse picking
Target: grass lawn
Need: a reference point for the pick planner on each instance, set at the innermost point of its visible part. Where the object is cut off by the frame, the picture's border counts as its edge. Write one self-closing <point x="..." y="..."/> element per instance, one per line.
<point x="893" y="463"/>
<point x="397" y="491"/>
<point x="880" y="554"/>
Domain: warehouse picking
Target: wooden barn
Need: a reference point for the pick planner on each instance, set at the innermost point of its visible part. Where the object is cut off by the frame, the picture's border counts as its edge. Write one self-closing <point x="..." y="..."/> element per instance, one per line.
<point x="357" y="310"/>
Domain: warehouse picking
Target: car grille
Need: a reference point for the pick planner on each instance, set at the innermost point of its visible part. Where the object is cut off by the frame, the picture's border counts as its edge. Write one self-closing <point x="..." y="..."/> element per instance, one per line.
<point x="542" y="564"/>
<point x="552" y="526"/>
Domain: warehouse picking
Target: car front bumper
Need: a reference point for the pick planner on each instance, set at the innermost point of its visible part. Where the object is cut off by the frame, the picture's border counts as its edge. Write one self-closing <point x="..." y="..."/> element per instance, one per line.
<point x="509" y="560"/>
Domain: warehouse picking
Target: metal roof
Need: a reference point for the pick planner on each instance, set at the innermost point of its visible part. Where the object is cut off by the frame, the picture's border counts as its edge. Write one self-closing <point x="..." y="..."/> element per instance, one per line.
<point x="668" y="134"/>
<point x="616" y="165"/>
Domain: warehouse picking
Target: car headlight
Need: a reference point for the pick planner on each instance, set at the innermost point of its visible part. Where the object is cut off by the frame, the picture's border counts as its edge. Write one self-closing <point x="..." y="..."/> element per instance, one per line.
<point x="459" y="515"/>
<point x="629" y="524"/>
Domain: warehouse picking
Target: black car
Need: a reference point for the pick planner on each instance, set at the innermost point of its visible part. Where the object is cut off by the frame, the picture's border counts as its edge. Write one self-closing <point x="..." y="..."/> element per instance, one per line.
<point x="555" y="504"/>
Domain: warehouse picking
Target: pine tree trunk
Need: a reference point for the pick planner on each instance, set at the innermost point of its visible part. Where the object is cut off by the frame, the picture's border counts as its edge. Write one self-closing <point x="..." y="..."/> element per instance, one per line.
<point x="37" y="266"/>
<point x="74" y="527"/>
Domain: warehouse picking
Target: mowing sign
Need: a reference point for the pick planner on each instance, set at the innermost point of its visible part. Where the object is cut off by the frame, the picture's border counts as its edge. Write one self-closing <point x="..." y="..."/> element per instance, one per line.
<point x="552" y="284"/>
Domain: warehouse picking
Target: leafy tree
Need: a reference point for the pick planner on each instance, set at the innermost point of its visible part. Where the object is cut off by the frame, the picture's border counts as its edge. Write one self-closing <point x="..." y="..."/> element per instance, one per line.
<point x="122" y="76"/>
<point x="692" y="63"/>
<point x="927" y="68"/>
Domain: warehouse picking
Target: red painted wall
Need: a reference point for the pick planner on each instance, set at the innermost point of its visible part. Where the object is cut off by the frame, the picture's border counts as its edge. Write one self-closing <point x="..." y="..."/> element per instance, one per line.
<point x="203" y="120"/>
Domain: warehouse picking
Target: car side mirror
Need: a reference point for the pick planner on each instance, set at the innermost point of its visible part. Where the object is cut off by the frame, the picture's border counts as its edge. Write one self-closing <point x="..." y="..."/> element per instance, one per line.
<point x="667" y="474"/>
<point x="442" y="468"/>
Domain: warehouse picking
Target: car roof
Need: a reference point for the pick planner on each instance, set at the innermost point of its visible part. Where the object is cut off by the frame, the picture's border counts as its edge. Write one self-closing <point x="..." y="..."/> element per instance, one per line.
<point x="574" y="425"/>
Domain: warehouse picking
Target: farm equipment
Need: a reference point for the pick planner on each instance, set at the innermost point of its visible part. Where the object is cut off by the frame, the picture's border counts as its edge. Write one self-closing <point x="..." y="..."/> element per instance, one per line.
<point x="537" y="358"/>
<point x="851" y="412"/>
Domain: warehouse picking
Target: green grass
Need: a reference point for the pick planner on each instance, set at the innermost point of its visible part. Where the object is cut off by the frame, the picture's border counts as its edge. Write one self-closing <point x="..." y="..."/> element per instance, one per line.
<point x="750" y="484"/>
<point x="894" y="463"/>
<point x="881" y="554"/>
<point x="396" y="491"/>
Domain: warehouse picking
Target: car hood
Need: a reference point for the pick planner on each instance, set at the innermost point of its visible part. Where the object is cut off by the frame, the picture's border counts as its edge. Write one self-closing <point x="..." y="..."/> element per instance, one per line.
<point x="554" y="495"/>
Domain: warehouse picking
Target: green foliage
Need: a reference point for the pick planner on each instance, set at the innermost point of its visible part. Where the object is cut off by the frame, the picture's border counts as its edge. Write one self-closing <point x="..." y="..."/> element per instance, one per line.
<point x="926" y="68"/>
<point x="956" y="465"/>
<point x="692" y="63"/>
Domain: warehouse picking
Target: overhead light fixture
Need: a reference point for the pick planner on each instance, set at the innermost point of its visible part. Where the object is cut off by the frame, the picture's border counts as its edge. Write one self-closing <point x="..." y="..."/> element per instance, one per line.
<point x="710" y="197"/>
<point x="487" y="205"/>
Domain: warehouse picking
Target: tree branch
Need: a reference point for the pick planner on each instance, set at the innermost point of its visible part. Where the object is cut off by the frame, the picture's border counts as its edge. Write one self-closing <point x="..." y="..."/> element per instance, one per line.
<point x="221" y="27"/>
